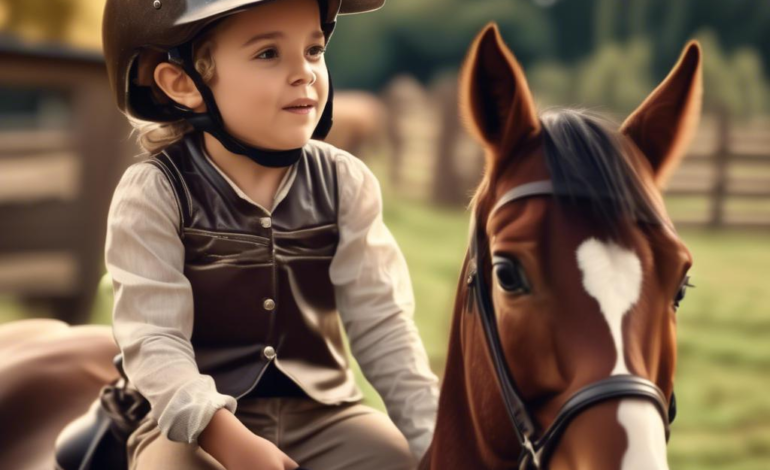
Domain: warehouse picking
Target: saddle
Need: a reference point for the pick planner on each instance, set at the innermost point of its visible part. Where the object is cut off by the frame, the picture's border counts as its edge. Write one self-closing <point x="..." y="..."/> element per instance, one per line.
<point x="97" y="439"/>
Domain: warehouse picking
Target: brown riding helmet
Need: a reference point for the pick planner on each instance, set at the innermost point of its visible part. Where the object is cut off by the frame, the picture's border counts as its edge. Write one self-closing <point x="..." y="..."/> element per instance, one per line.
<point x="132" y="27"/>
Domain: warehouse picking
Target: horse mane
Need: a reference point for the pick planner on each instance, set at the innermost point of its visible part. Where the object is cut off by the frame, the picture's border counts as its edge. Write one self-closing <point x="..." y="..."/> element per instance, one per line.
<point x="590" y="167"/>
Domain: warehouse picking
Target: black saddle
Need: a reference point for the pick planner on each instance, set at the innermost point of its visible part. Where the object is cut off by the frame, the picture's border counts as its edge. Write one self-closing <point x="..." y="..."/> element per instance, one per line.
<point x="97" y="439"/>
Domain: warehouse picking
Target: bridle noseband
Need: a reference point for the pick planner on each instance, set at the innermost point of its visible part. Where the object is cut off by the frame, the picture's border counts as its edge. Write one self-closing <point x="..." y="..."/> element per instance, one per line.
<point x="536" y="450"/>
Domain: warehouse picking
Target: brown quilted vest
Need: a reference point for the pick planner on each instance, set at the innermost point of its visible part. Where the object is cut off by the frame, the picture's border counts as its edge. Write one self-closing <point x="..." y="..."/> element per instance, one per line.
<point x="260" y="281"/>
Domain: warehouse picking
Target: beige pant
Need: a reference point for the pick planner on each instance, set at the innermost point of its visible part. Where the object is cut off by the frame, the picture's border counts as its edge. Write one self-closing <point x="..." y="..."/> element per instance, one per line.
<point x="317" y="436"/>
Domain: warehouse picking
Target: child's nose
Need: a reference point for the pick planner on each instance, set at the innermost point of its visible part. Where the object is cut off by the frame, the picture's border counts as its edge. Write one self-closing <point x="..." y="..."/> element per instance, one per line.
<point x="303" y="74"/>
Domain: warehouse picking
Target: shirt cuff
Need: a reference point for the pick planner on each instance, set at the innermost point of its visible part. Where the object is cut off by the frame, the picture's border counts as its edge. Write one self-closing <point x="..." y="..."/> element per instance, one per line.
<point x="190" y="411"/>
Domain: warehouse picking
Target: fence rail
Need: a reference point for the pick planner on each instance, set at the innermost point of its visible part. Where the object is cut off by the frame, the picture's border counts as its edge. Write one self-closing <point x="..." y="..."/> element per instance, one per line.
<point x="726" y="175"/>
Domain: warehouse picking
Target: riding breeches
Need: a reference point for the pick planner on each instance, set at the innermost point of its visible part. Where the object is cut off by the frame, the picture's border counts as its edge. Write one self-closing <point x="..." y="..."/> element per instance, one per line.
<point x="317" y="436"/>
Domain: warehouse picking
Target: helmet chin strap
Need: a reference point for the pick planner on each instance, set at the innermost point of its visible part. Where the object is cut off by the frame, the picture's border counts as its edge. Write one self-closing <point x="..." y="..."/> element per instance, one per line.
<point x="211" y="121"/>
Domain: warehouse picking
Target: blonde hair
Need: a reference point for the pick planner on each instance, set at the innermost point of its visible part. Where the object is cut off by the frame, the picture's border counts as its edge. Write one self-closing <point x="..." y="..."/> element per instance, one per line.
<point x="153" y="137"/>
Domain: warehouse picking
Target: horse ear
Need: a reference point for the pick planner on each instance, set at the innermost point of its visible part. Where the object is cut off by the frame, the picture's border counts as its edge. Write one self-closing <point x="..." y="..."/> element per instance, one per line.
<point x="664" y="124"/>
<point x="495" y="102"/>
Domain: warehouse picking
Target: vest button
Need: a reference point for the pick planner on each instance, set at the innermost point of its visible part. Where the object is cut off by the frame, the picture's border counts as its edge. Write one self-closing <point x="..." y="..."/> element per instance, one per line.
<point x="269" y="305"/>
<point x="269" y="352"/>
<point x="266" y="222"/>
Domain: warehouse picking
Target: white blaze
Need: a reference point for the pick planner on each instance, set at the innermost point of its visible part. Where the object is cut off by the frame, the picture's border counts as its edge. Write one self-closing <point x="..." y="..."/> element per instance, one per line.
<point x="646" y="435"/>
<point x="613" y="276"/>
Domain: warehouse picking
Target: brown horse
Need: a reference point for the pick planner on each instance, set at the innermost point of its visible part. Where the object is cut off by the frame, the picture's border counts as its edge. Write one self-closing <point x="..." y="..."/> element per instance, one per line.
<point x="584" y="277"/>
<point x="50" y="373"/>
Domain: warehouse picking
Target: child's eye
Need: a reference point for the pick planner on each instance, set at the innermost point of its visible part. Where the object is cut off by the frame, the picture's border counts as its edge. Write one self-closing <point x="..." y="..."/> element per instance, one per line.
<point x="317" y="51"/>
<point x="267" y="54"/>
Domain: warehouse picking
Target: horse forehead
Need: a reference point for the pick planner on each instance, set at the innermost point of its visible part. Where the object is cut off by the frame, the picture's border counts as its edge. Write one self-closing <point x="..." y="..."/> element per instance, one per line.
<point x="612" y="275"/>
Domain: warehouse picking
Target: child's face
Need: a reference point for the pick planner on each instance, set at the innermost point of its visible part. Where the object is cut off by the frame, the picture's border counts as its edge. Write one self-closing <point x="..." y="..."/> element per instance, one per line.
<point x="257" y="78"/>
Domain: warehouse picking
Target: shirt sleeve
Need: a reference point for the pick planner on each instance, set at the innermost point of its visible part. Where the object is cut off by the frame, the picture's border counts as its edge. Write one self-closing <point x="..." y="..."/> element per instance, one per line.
<point x="376" y="303"/>
<point x="153" y="307"/>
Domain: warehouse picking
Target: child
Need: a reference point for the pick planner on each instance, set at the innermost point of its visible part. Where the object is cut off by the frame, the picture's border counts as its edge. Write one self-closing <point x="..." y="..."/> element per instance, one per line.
<point x="239" y="245"/>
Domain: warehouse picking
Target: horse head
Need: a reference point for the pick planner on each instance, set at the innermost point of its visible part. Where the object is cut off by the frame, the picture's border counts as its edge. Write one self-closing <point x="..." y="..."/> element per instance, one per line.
<point x="581" y="266"/>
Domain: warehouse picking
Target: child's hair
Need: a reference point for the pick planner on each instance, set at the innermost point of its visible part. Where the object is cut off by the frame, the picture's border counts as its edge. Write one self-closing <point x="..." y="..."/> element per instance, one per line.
<point x="155" y="136"/>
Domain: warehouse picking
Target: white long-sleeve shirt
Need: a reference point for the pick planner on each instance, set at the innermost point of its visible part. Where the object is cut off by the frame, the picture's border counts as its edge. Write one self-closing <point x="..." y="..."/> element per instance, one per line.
<point x="153" y="309"/>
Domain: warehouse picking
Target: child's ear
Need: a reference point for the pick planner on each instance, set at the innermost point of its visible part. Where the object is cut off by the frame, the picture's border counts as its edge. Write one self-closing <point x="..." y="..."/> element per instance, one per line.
<point x="178" y="86"/>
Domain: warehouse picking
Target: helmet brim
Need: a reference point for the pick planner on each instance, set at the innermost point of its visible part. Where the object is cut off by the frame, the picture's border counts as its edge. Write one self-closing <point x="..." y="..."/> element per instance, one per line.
<point x="202" y="10"/>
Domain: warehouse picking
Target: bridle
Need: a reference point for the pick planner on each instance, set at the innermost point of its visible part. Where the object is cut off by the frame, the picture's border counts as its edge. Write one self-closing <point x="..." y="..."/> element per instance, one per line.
<point x="535" y="449"/>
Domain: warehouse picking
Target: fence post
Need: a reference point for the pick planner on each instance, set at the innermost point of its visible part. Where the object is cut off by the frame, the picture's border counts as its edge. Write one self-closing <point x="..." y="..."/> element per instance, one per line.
<point x="447" y="185"/>
<point x="394" y="102"/>
<point x="721" y="160"/>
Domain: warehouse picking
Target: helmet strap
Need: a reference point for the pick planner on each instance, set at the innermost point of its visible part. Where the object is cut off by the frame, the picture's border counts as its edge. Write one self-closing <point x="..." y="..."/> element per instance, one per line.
<point x="327" y="121"/>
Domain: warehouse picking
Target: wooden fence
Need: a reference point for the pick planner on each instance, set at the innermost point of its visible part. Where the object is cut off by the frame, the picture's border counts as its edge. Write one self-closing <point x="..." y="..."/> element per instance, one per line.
<point x="63" y="147"/>
<point x="723" y="182"/>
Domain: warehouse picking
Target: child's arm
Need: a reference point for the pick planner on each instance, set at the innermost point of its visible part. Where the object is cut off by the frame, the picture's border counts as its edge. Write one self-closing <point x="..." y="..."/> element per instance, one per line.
<point x="376" y="303"/>
<point x="153" y="309"/>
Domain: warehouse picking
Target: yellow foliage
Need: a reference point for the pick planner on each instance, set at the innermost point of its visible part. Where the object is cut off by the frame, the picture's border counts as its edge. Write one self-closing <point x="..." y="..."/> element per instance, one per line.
<point x="75" y="23"/>
<point x="86" y="28"/>
<point x="3" y="15"/>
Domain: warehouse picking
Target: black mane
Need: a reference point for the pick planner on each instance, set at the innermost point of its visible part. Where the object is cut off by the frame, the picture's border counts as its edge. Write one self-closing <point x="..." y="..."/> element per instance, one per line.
<point x="589" y="165"/>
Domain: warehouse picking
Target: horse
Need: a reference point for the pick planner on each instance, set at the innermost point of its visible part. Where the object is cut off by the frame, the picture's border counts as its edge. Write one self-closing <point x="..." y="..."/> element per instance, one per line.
<point x="562" y="347"/>
<point x="50" y="373"/>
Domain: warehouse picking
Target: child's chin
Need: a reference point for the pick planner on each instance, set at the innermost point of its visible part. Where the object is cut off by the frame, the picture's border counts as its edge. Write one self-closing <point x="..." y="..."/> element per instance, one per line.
<point x="293" y="141"/>
<point x="282" y="142"/>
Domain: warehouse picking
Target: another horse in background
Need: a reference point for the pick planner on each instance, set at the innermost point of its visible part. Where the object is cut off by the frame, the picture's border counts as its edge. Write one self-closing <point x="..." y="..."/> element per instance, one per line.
<point x="563" y="342"/>
<point x="360" y="120"/>
<point x="50" y="373"/>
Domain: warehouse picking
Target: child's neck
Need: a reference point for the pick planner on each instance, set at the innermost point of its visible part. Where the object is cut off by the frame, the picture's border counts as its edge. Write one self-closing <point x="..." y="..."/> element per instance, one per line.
<point x="259" y="182"/>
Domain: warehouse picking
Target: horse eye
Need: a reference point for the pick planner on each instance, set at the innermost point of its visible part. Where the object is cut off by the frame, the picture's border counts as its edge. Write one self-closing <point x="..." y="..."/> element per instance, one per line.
<point x="510" y="275"/>
<point x="682" y="291"/>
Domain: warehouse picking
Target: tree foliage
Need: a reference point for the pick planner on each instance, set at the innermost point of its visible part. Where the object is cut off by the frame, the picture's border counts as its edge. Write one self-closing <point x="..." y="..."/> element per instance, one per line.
<point x="590" y="52"/>
<point x="423" y="38"/>
<point x="44" y="20"/>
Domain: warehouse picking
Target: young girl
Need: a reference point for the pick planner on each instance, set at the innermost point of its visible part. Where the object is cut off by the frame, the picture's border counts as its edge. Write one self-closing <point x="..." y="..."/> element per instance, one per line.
<point x="239" y="245"/>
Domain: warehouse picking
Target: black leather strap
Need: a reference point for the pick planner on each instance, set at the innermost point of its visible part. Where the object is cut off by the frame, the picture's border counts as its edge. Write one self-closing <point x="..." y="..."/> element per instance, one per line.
<point x="617" y="386"/>
<point x="522" y="423"/>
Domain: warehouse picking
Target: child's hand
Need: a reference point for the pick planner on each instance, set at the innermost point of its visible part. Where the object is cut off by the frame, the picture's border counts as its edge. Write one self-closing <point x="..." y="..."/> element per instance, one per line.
<point x="258" y="454"/>
<point x="237" y="448"/>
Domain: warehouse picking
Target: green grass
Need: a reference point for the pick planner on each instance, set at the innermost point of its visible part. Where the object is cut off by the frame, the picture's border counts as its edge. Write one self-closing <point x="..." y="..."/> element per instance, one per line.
<point x="724" y="355"/>
<point x="11" y="310"/>
<point x="723" y="374"/>
<point x="687" y="207"/>
<point x="699" y="207"/>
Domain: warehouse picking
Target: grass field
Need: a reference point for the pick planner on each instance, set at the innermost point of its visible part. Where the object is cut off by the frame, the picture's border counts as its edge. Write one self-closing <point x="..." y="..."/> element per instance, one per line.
<point x="723" y="373"/>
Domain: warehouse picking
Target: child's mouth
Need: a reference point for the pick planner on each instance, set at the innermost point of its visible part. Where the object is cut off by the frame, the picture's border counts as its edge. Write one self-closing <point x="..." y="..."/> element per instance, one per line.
<point x="304" y="109"/>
